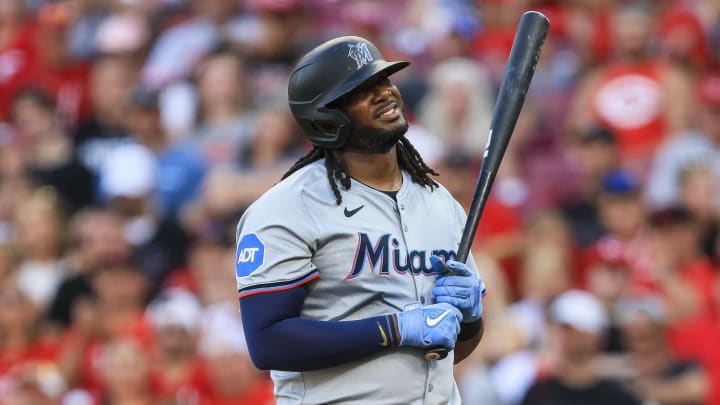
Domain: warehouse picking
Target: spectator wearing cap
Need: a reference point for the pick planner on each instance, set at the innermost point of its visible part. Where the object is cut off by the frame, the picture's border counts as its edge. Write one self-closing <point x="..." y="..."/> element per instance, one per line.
<point x="179" y="171"/>
<point x="128" y="182"/>
<point x="578" y="322"/>
<point x="233" y="378"/>
<point x="177" y="372"/>
<point x="592" y="154"/>
<point x="698" y="145"/>
<point x="624" y="219"/>
<point x="655" y="372"/>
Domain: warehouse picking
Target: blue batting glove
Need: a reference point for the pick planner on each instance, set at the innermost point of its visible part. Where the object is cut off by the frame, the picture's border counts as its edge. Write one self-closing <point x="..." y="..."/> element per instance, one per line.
<point x="429" y="325"/>
<point x="460" y="287"/>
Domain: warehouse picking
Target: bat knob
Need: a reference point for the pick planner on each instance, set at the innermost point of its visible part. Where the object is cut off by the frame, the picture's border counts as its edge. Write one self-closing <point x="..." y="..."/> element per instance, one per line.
<point x="436" y="353"/>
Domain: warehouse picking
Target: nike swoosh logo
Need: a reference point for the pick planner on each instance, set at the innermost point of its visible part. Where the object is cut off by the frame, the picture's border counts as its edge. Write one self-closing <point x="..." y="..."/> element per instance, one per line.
<point x="434" y="321"/>
<point x="384" y="336"/>
<point x="349" y="213"/>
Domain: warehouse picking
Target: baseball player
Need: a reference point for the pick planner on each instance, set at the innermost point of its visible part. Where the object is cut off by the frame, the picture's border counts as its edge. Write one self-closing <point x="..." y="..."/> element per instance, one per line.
<point x="344" y="268"/>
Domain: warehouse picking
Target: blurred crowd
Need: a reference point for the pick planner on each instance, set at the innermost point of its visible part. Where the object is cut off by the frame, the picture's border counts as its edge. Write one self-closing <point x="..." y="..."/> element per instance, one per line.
<point x="133" y="134"/>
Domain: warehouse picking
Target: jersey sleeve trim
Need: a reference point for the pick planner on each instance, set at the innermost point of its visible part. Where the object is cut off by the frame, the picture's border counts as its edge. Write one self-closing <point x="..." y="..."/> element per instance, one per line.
<point x="277" y="286"/>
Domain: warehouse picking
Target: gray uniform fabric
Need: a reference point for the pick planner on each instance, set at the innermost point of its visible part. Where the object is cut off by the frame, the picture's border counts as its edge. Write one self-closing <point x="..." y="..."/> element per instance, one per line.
<point x="368" y="256"/>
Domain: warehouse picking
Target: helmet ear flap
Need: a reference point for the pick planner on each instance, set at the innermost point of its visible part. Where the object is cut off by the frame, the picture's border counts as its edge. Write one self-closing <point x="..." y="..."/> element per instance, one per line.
<point x="330" y="128"/>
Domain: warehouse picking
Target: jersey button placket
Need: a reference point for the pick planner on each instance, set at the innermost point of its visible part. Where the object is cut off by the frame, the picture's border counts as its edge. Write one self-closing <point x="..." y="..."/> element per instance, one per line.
<point x="430" y="388"/>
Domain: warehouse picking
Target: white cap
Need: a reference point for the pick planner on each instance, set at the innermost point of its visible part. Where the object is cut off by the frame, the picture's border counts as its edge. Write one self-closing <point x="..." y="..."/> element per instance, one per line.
<point x="175" y="307"/>
<point x="122" y="33"/>
<point x="579" y="310"/>
<point x="128" y="171"/>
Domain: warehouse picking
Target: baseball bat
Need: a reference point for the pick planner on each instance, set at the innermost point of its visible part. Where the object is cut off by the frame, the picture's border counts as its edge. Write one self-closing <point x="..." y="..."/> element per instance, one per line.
<point x="529" y="38"/>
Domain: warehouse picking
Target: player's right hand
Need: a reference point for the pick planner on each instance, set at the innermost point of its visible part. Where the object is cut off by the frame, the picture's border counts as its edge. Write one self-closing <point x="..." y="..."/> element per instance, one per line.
<point x="429" y="325"/>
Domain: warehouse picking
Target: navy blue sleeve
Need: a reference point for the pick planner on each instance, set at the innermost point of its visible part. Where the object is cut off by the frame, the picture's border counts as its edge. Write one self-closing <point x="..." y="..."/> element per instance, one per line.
<point x="279" y="339"/>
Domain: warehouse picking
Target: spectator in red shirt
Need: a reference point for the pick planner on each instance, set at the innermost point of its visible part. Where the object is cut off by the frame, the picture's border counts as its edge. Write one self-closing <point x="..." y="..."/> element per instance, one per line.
<point x="18" y="51"/>
<point x="623" y="217"/>
<point x="637" y="95"/>
<point x="115" y="310"/>
<point x="685" y="276"/>
<point x="177" y="372"/>
<point x="124" y="369"/>
<point x="233" y="378"/>
<point x="22" y="339"/>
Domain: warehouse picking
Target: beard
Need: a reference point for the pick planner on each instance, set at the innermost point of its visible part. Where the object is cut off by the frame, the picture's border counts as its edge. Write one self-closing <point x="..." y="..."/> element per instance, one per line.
<point x="372" y="140"/>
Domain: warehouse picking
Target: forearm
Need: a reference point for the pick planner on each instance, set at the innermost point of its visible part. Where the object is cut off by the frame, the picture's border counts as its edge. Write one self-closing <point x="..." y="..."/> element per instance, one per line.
<point x="469" y="338"/>
<point x="300" y="344"/>
<point x="689" y="389"/>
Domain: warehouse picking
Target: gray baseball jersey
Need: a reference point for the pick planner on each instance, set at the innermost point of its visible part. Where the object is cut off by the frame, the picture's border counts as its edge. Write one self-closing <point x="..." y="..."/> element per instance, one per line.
<point x="368" y="256"/>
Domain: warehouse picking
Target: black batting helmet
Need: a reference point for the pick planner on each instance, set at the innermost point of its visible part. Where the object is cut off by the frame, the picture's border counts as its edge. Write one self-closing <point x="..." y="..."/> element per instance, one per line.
<point x="328" y="72"/>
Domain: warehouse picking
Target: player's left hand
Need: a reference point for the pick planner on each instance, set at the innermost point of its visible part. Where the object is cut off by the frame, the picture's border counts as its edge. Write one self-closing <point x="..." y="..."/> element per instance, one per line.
<point x="460" y="287"/>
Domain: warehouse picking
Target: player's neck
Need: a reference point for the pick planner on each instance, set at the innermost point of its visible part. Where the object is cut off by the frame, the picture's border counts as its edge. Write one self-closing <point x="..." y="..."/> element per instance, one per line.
<point x="377" y="170"/>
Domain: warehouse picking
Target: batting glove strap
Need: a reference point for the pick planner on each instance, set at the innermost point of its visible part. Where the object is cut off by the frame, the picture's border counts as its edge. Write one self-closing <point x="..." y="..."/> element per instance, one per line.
<point x="431" y="325"/>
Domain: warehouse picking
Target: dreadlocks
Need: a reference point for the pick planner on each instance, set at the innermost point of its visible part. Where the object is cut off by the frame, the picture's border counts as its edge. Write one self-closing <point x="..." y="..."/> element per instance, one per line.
<point x="408" y="158"/>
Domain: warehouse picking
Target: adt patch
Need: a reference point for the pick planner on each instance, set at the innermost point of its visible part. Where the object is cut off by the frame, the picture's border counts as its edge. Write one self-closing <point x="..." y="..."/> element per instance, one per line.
<point x="250" y="255"/>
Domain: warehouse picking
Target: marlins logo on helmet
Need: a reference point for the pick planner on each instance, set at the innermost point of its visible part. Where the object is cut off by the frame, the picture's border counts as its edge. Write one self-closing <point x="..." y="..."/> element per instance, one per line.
<point x="360" y="54"/>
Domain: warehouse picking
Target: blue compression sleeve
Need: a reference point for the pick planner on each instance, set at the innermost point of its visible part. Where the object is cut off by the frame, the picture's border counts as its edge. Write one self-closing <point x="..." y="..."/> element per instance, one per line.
<point x="279" y="339"/>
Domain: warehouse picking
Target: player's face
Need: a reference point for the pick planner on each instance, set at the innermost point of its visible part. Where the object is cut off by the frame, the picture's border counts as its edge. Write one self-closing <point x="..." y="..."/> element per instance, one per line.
<point x="377" y="112"/>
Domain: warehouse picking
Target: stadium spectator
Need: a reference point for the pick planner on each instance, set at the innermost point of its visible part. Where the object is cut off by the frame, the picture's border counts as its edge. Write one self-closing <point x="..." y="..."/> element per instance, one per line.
<point x="179" y="171"/>
<point x="18" y="50"/>
<point x="636" y="95"/>
<point x="23" y="340"/>
<point x="624" y="219"/>
<point x="96" y="240"/>
<point x="458" y="105"/>
<point x="124" y="370"/>
<point x="695" y="146"/>
<point x="178" y="49"/>
<point x="592" y="155"/>
<point x="127" y="180"/>
<point x="47" y="151"/>
<point x="578" y="323"/>
<point x="655" y="373"/>
<point x="223" y="126"/>
<point x="233" y="378"/>
<point x="176" y="371"/>
<point x="115" y="310"/>
<point x="110" y="78"/>
<point x="40" y="241"/>
<point x="195" y="90"/>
